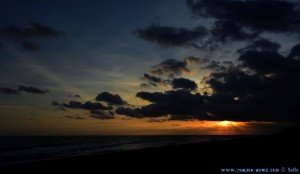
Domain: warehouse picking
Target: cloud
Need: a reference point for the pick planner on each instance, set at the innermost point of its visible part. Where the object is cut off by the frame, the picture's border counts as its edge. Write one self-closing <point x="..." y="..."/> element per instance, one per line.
<point x="295" y="52"/>
<point x="182" y="83"/>
<point x="153" y="81"/>
<point x="170" y="68"/>
<point x="263" y="86"/>
<point x="265" y="61"/>
<point x="95" y="106"/>
<point x="230" y="20"/>
<point x="258" y="15"/>
<point x="71" y="104"/>
<point x="38" y="30"/>
<point x="29" y="46"/>
<point x="214" y="65"/>
<point x="158" y="120"/>
<point x="33" y="30"/>
<point x="179" y="102"/>
<point x="55" y="103"/>
<point x="101" y="115"/>
<point x="75" y="117"/>
<point x="29" y="89"/>
<point x="33" y="90"/>
<point x="129" y="112"/>
<point x="87" y="105"/>
<point x="268" y="92"/>
<point x="261" y="45"/>
<point x="224" y="31"/>
<point x="151" y="97"/>
<point x="171" y="36"/>
<point x="9" y="91"/>
<point x="147" y="85"/>
<point x="24" y="36"/>
<point x="96" y="109"/>
<point x="110" y="98"/>
<point x="74" y="96"/>
<point x="174" y="67"/>
<point x="191" y="60"/>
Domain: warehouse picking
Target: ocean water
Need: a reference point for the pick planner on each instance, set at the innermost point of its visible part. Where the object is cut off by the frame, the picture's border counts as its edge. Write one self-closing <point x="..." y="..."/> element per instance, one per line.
<point x="24" y="149"/>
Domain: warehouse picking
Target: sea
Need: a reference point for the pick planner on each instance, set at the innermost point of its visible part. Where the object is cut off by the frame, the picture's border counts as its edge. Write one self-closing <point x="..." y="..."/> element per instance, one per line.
<point x="17" y="149"/>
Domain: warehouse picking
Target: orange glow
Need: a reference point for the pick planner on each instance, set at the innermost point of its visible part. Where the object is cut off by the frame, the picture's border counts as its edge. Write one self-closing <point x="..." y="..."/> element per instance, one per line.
<point x="227" y="123"/>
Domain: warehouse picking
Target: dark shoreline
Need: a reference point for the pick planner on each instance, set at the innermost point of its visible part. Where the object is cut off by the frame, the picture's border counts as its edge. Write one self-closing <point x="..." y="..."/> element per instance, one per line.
<point x="275" y="151"/>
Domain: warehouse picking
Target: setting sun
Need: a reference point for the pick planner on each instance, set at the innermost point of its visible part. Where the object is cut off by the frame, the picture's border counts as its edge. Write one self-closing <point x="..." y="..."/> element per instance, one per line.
<point x="227" y="123"/>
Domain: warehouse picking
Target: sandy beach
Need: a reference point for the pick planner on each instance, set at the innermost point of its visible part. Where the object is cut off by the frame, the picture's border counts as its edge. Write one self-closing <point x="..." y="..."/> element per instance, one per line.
<point x="276" y="151"/>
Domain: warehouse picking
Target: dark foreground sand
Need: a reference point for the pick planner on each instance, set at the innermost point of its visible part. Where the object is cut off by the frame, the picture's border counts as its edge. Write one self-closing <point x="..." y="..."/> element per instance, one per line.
<point x="275" y="151"/>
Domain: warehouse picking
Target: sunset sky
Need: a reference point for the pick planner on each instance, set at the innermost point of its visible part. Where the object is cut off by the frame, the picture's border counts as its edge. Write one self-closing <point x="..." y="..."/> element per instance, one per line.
<point x="151" y="67"/>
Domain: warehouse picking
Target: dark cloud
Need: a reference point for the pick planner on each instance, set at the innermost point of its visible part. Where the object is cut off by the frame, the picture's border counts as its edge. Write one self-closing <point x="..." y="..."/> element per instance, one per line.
<point x="87" y="105"/>
<point x="29" y="89"/>
<point x="75" y="117"/>
<point x="151" y="97"/>
<point x="146" y="85"/>
<point x="214" y="65"/>
<point x="58" y="105"/>
<point x="264" y="61"/>
<point x="259" y="15"/>
<point x="153" y="81"/>
<point x="61" y="108"/>
<point x="55" y="103"/>
<point x="224" y="31"/>
<point x="33" y="90"/>
<point x="234" y="82"/>
<point x="9" y="91"/>
<point x="101" y="115"/>
<point x="95" y="106"/>
<point x="74" y="96"/>
<point x="264" y="86"/>
<point x="96" y="110"/>
<point x="129" y="112"/>
<point x="261" y="45"/>
<point x="171" y="68"/>
<point x="33" y="30"/>
<point x="158" y="120"/>
<point x="29" y="46"/>
<point x="38" y="30"/>
<point x="110" y="98"/>
<point x="191" y="60"/>
<point x="182" y="83"/>
<point x="72" y="104"/>
<point x="180" y="102"/>
<point x="295" y="52"/>
<point x="268" y="92"/>
<point x="24" y="35"/>
<point x="234" y="20"/>
<point x="171" y="36"/>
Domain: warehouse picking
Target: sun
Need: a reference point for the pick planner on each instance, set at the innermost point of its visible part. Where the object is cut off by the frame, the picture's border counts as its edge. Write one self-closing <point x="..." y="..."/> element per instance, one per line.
<point x="227" y="123"/>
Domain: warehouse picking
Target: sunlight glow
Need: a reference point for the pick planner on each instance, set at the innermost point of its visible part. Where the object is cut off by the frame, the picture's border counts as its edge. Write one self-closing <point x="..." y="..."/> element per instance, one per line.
<point x="227" y="123"/>
<point x="236" y="98"/>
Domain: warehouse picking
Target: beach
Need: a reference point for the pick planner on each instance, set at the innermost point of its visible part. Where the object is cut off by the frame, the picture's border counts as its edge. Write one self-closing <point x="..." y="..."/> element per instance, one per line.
<point x="276" y="151"/>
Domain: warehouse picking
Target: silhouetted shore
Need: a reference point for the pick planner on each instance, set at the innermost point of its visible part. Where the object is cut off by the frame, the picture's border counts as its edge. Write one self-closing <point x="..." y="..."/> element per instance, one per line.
<point x="275" y="151"/>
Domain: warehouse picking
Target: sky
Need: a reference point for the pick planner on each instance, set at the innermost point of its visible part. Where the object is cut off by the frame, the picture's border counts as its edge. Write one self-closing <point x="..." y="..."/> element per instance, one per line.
<point x="171" y="67"/>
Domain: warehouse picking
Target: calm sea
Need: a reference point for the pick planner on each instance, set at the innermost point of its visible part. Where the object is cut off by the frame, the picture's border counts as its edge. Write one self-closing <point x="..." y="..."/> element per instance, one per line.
<point x="23" y="149"/>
